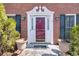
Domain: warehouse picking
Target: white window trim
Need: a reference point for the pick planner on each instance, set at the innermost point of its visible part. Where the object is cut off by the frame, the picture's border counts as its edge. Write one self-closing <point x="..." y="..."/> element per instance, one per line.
<point x="11" y="14"/>
<point x="70" y="14"/>
<point x="74" y="16"/>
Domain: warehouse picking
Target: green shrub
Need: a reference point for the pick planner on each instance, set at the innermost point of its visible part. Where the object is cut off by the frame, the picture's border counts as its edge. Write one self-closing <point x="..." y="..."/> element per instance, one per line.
<point x="74" y="41"/>
<point x="8" y="33"/>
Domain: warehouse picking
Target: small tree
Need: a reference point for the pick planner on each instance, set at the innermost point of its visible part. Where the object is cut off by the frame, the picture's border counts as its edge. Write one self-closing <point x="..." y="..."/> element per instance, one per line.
<point x="74" y="41"/>
<point x="8" y="33"/>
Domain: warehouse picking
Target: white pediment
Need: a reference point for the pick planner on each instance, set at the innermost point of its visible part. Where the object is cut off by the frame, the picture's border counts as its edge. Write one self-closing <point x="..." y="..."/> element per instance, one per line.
<point x="40" y="10"/>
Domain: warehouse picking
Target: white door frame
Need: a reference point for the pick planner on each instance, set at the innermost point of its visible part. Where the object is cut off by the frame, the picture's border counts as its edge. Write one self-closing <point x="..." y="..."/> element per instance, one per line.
<point x="31" y="15"/>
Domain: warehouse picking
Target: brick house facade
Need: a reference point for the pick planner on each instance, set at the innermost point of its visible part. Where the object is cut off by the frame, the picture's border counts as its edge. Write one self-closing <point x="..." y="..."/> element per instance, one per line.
<point x="57" y="8"/>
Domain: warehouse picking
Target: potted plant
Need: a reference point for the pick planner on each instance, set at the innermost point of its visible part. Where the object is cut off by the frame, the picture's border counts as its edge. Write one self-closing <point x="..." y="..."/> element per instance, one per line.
<point x="21" y="44"/>
<point x="63" y="46"/>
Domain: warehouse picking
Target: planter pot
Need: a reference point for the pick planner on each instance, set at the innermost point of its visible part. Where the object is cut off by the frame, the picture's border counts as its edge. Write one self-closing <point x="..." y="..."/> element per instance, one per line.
<point x="21" y="44"/>
<point x="63" y="46"/>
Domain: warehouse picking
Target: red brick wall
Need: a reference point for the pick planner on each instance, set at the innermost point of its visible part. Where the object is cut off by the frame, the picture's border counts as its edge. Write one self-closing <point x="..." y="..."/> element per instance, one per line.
<point x="57" y="8"/>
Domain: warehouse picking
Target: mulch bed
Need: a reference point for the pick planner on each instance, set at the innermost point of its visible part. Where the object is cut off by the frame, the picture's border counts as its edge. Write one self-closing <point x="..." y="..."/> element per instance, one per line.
<point x="7" y="54"/>
<point x="16" y="53"/>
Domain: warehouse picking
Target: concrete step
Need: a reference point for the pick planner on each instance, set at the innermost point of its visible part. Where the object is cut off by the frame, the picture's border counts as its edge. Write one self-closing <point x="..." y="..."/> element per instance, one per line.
<point x="31" y="45"/>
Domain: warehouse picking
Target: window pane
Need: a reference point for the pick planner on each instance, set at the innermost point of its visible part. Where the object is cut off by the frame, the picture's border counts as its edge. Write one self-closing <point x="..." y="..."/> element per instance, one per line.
<point x="72" y="21"/>
<point x="11" y="17"/>
<point x="69" y="23"/>
<point x="77" y="19"/>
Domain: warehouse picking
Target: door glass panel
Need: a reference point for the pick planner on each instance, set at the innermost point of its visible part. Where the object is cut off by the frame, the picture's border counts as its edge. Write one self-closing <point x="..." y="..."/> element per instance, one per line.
<point x="32" y="23"/>
<point x="40" y="29"/>
<point x="48" y="24"/>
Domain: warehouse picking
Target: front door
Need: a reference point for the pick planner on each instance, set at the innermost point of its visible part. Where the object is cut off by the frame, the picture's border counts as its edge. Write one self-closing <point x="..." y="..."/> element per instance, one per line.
<point x="40" y="29"/>
<point x="40" y="25"/>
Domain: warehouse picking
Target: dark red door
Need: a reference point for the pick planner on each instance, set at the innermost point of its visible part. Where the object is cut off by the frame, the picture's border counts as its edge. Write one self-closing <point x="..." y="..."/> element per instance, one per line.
<point x="40" y="29"/>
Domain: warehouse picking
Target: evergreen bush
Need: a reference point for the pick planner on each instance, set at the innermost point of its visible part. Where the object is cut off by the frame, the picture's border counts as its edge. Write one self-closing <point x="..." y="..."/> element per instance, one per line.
<point x="8" y="33"/>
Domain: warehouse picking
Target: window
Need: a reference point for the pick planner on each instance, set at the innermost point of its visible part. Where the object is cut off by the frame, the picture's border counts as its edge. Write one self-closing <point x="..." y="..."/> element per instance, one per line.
<point x="17" y="18"/>
<point x="69" y="23"/>
<point x="66" y="23"/>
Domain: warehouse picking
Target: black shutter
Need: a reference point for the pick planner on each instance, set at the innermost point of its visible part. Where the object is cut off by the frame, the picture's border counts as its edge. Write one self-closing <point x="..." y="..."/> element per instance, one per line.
<point x="18" y="22"/>
<point x="62" y="26"/>
<point x="77" y="19"/>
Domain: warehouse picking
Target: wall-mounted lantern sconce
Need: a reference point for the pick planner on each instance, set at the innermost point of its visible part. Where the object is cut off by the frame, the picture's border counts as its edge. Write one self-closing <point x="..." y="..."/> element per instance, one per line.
<point x="23" y="18"/>
<point x="57" y="18"/>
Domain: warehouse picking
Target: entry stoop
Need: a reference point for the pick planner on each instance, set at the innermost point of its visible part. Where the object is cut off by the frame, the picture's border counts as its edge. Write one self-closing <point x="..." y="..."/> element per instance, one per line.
<point x="38" y="45"/>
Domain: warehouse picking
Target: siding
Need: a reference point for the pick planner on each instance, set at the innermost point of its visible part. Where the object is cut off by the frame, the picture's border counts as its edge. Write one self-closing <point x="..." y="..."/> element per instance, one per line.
<point x="59" y="8"/>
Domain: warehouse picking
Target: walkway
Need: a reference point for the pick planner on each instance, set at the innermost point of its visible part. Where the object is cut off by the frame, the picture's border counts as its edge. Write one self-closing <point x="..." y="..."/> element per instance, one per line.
<point x="52" y="50"/>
